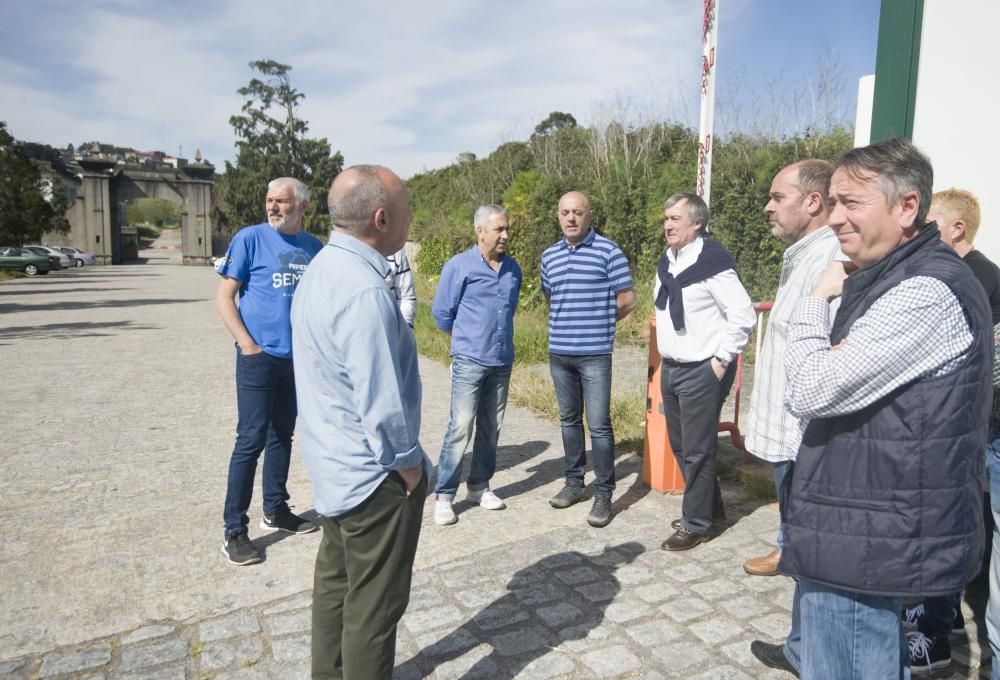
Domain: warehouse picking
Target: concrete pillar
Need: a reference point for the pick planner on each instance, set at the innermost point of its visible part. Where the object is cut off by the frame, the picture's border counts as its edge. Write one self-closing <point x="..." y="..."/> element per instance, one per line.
<point x="196" y="216"/>
<point x="97" y="207"/>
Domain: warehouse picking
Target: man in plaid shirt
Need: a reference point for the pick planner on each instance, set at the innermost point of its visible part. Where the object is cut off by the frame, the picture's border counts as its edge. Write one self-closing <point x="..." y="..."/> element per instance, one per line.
<point x="885" y="499"/>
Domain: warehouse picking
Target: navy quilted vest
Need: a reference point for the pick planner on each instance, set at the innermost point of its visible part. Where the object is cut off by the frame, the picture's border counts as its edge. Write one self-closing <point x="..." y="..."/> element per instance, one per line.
<point x="888" y="500"/>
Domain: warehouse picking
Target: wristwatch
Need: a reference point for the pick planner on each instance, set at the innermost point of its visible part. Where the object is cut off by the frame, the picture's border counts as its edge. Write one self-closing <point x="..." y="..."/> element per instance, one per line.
<point x="722" y="362"/>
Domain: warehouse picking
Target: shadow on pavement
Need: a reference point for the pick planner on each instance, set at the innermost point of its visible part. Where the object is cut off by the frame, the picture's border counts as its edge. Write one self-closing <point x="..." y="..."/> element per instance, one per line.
<point x="82" y="329"/>
<point x="86" y="304"/>
<point x="49" y="291"/>
<point x="508" y="456"/>
<point x="546" y="607"/>
<point x="628" y="464"/>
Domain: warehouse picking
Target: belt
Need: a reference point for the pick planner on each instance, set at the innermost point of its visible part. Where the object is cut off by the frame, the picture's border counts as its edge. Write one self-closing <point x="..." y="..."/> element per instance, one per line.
<point x="683" y="364"/>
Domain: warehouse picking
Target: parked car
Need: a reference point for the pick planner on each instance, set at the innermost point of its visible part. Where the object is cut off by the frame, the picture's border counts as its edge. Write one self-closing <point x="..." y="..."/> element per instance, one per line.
<point x="79" y="256"/>
<point x="55" y="262"/>
<point x="24" y="260"/>
<point x="65" y="261"/>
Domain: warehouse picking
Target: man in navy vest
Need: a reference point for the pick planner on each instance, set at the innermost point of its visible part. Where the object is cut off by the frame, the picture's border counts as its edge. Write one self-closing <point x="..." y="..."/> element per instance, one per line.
<point x="262" y="267"/>
<point x="885" y="501"/>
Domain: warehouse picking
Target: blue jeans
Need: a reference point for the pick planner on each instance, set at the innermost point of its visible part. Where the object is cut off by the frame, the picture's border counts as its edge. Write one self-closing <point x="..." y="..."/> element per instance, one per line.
<point x="781" y="469"/>
<point x="583" y="384"/>
<point x="850" y="635"/>
<point x="793" y="643"/>
<point x="265" y="402"/>
<point x="993" y="606"/>
<point x="478" y="395"/>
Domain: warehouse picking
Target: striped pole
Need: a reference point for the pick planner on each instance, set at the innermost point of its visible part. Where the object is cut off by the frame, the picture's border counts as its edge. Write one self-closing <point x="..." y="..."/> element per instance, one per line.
<point x="710" y="30"/>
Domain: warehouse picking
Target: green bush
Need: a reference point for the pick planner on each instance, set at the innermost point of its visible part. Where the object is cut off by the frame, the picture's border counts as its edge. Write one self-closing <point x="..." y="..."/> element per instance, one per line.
<point x="627" y="172"/>
<point x="434" y="252"/>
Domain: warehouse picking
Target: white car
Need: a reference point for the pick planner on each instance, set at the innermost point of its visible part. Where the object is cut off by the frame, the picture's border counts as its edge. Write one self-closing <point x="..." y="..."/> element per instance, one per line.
<point x="65" y="261"/>
<point x="81" y="257"/>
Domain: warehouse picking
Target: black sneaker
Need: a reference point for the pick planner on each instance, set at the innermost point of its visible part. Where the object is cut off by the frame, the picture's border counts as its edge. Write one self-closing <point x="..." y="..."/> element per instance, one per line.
<point x="912" y="616"/>
<point x="568" y="496"/>
<point x="288" y="521"/>
<point x="913" y="619"/>
<point x="928" y="655"/>
<point x="772" y="656"/>
<point x="241" y="551"/>
<point x="600" y="512"/>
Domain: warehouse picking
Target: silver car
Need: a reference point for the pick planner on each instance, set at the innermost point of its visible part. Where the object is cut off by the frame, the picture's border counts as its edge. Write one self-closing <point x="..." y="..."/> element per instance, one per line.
<point x="65" y="261"/>
<point x="79" y="256"/>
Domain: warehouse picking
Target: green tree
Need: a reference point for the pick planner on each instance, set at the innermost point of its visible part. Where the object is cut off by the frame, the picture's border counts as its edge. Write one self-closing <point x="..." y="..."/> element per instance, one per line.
<point x="532" y="200"/>
<point x="155" y="211"/>
<point x="554" y="121"/>
<point x="29" y="206"/>
<point x="271" y="142"/>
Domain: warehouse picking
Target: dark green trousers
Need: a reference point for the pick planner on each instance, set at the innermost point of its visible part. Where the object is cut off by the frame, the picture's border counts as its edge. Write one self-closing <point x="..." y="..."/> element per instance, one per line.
<point x="362" y="583"/>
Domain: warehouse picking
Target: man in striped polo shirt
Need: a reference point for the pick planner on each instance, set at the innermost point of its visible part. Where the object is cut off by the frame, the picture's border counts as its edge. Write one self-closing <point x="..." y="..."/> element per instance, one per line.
<point x="587" y="283"/>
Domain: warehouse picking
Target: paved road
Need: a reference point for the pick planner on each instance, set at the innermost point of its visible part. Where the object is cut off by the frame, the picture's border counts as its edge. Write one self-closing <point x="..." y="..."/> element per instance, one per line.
<point x="119" y="414"/>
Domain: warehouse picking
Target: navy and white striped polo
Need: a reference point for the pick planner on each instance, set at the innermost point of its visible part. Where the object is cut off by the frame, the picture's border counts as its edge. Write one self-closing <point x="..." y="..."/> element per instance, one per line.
<point x="582" y="282"/>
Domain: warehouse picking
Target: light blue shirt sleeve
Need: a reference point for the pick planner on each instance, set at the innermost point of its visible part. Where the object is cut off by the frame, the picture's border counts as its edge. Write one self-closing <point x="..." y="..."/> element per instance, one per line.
<point x="390" y="421"/>
<point x="447" y="296"/>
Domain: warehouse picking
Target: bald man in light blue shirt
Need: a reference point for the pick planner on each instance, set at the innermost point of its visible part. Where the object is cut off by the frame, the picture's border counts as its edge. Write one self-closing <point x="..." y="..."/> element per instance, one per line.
<point x="358" y="391"/>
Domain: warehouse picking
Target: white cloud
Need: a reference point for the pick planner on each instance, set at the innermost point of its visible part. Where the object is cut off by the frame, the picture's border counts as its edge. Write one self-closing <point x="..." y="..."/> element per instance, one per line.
<point x="406" y="84"/>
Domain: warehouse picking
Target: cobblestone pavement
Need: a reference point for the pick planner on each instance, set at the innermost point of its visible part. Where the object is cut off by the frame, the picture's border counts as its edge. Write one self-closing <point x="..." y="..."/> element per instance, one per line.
<point x="114" y="569"/>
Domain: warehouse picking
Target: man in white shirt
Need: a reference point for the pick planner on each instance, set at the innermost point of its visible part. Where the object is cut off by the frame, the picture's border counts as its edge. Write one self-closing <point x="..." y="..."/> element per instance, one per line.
<point x="401" y="282"/>
<point x="798" y="209"/>
<point x="703" y="319"/>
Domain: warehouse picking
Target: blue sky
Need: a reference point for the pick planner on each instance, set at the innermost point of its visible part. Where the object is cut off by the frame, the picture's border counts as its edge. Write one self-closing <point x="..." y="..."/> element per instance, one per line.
<point x="411" y="84"/>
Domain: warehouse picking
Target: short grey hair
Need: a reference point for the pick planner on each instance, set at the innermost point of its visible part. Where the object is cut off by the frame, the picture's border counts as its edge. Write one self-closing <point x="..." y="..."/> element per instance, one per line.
<point x="300" y="190"/>
<point x="901" y="168"/>
<point x="697" y="210"/>
<point x="485" y="212"/>
<point x="353" y="210"/>
<point x="814" y="177"/>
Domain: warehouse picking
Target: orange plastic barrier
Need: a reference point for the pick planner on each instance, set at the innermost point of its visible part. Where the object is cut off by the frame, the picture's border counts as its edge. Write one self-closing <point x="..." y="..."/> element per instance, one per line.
<point x="659" y="467"/>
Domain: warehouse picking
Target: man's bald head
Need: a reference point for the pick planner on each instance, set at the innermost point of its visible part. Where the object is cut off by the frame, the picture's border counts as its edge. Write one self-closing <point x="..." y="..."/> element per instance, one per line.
<point x="574" y="216"/>
<point x="371" y="203"/>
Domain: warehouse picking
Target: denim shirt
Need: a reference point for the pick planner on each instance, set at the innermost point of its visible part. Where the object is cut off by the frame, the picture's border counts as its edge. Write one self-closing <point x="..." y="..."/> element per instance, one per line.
<point x="476" y="305"/>
<point x="356" y="376"/>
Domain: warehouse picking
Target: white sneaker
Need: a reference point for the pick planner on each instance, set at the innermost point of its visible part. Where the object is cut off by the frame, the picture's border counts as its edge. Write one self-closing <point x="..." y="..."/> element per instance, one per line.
<point x="486" y="499"/>
<point x="443" y="514"/>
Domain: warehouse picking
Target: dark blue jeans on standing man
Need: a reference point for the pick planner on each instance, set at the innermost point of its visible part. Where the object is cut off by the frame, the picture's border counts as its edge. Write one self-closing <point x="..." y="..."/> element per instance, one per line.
<point x="583" y="383"/>
<point x="265" y="401"/>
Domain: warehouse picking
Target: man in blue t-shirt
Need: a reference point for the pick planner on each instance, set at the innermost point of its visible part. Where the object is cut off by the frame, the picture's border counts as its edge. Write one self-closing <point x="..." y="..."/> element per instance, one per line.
<point x="588" y="285"/>
<point x="262" y="267"/>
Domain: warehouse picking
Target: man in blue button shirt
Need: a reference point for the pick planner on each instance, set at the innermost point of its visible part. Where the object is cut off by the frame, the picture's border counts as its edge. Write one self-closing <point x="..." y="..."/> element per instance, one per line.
<point x="262" y="267"/>
<point x="475" y="302"/>
<point x="359" y="404"/>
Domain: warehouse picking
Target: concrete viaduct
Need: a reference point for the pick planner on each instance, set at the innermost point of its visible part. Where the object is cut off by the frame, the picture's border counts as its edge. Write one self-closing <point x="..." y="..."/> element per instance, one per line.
<point x="97" y="212"/>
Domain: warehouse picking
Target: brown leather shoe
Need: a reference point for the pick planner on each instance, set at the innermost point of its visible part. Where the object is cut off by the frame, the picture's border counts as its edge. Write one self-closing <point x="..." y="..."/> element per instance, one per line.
<point x="683" y="539"/>
<point x="765" y="565"/>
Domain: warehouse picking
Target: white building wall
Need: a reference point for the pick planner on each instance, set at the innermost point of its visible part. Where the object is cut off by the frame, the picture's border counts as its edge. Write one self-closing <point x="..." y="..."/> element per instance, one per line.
<point x="958" y="105"/>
